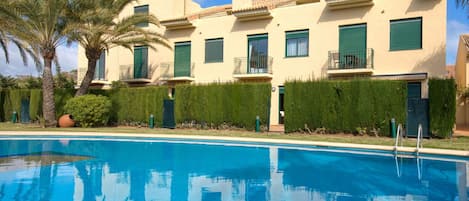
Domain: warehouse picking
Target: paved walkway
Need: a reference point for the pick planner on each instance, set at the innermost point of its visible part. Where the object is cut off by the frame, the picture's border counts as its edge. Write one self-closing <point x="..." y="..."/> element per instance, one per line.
<point x="464" y="133"/>
<point x="239" y="139"/>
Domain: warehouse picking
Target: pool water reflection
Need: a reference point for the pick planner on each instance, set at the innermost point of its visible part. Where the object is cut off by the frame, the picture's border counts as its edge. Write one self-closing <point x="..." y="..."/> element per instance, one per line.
<point x="174" y="171"/>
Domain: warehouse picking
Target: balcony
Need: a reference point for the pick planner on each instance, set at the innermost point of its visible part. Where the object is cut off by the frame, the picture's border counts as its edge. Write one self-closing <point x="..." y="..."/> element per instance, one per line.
<point x="343" y="4"/>
<point x="253" y="68"/>
<point x="96" y="80"/>
<point x="178" y="23"/>
<point x="128" y="74"/>
<point x="253" y="13"/>
<point x="350" y="62"/>
<point x="179" y="74"/>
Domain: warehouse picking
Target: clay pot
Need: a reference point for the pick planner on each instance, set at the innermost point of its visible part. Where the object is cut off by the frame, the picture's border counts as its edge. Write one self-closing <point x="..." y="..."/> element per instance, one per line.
<point x="66" y="121"/>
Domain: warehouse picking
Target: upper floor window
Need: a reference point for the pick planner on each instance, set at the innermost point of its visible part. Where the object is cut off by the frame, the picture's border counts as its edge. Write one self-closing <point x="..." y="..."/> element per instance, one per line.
<point x="99" y="73"/>
<point x="143" y="10"/>
<point x="406" y="34"/>
<point x="214" y="50"/>
<point x="297" y="43"/>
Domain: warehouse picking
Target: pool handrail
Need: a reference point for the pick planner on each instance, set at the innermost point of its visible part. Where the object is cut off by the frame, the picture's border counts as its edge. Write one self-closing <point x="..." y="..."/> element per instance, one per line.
<point x="419" y="139"/>
<point x="398" y="137"/>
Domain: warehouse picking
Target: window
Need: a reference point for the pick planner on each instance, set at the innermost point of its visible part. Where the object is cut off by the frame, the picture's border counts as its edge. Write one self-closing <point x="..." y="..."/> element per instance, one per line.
<point x="352" y="46"/>
<point x="141" y="10"/>
<point x="100" y="67"/>
<point x="297" y="43"/>
<point x="214" y="50"/>
<point x="258" y="57"/>
<point x="182" y="59"/>
<point x="140" y="62"/>
<point x="406" y="34"/>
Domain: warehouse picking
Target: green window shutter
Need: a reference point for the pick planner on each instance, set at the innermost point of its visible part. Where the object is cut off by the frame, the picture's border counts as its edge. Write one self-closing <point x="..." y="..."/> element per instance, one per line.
<point x="352" y="46"/>
<point x="100" y="67"/>
<point x="182" y="60"/>
<point x="213" y="50"/>
<point x="143" y="10"/>
<point x="140" y="62"/>
<point x="297" y="43"/>
<point x="406" y="34"/>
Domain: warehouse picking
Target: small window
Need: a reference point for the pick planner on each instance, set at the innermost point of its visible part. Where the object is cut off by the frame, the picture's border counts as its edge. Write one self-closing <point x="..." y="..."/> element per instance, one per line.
<point x="100" y="67"/>
<point x="406" y="34"/>
<point x="214" y="50"/>
<point x="297" y="43"/>
<point x="141" y="10"/>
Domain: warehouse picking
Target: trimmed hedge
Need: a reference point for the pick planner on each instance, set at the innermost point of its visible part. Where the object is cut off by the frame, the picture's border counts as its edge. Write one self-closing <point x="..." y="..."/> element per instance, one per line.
<point x="134" y="105"/>
<point x="442" y="103"/>
<point x="215" y="105"/>
<point x="352" y="106"/>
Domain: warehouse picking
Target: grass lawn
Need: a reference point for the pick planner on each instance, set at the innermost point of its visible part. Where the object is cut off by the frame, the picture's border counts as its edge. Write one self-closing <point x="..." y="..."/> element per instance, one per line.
<point x="456" y="143"/>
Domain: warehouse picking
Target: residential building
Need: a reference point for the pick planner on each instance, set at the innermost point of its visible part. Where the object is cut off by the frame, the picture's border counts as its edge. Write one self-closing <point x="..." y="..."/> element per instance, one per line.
<point x="461" y="66"/>
<point x="279" y="40"/>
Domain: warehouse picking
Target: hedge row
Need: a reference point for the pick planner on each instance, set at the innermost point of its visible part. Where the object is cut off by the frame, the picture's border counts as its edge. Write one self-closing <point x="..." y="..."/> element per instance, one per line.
<point x="442" y="103"/>
<point x="11" y="101"/>
<point x="233" y="104"/>
<point x="353" y="106"/>
<point x="134" y="105"/>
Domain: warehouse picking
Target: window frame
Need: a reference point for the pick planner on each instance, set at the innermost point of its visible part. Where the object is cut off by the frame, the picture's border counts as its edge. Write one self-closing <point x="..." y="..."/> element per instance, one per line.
<point x="391" y="49"/>
<point x="219" y="60"/>
<point x="146" y="24"/>
<point x="302" y="31"/>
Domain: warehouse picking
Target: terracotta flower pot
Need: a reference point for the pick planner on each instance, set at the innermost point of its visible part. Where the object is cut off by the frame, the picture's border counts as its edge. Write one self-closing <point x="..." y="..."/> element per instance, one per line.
<point x="66" y="121"/>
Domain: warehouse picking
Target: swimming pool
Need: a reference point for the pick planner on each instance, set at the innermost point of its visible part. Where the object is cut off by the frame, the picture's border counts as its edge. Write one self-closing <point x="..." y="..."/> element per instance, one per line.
<point x="175" y="170"/>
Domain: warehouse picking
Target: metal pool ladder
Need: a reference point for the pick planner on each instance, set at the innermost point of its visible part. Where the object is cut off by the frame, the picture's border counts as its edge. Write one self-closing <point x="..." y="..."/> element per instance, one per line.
<point x="398" y="137"/>
<point x="419" y="139"/>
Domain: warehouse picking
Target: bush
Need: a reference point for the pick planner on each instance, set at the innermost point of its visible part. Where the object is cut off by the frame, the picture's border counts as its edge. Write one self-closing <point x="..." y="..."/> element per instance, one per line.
<point x="89" y="110"/>
<point x="442" y="103"/>
<point x="223" y="105"/>
<point x="356" y="106"/>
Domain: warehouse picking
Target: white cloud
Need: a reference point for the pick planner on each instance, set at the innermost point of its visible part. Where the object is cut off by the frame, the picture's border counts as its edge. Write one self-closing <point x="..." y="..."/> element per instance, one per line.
<point x="454" y="29"/>
<point x="68" y="59"/>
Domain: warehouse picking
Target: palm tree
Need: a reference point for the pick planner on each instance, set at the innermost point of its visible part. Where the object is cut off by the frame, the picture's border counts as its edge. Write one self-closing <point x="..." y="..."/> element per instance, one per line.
<point x="101" y="29"/>
<point x="7" y="19"/>
<point x="42" y="25"/>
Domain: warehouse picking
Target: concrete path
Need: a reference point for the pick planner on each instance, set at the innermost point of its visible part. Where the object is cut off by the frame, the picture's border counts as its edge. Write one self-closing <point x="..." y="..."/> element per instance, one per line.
<point x="237" y="139"/>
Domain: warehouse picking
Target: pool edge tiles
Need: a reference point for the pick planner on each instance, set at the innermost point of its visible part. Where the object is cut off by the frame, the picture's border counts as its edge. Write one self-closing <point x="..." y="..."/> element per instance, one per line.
<point x="39" y="134"/>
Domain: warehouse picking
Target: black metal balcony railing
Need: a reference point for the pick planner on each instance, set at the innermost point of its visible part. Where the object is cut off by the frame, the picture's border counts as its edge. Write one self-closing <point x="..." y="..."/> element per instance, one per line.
<point x="127" y="72"/>
<point x="253" y="65"/>
<point x="351" y="59"/>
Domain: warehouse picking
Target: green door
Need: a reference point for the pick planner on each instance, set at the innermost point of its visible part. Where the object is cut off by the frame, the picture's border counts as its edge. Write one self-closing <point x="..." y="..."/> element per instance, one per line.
<point x="182" y="60"/>
<point x="417" y="110"/>
<point x="140" y="62"/>
<point x="24" y="111"/>
<point x="352" y="46"/>
<point x="281" y="105"/>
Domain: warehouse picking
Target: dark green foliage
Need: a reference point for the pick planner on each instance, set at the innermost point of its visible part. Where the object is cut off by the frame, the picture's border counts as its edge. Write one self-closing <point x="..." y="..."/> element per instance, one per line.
<point x="61" y="98"/>
<point x="89" y="110"/>
<point x="213" y="105"/>
<point x="134" y="105"/>
<point x="442" y="103"/>
<point x="35" y="104"/>
<point x="344" y="106"/>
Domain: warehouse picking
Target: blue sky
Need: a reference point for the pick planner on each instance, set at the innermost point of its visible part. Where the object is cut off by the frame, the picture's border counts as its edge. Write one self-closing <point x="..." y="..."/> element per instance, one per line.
<point x="457" y="23"/>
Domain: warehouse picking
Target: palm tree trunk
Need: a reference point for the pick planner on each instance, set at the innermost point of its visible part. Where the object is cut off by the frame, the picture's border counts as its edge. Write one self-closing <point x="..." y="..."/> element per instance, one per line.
<point x="86" y="82"/>
<point x="48" y="103"/>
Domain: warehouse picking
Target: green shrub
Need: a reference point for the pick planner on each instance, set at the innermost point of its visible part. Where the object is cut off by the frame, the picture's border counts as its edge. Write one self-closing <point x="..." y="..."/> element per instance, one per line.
<point x="349" y="106"/>
<point x="35" y="104"/>
<point x="89" y="110"/>
<point x="217" y="105"/>
<point x="442" y="104"/>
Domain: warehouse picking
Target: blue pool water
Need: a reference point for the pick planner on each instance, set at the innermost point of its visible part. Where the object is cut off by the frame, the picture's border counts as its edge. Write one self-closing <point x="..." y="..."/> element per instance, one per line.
<point x="168" y="170"/>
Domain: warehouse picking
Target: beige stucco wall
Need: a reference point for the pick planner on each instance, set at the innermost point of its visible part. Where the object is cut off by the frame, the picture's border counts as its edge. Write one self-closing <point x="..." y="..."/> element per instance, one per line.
<point x="323" y="36"/>
<point x="462" y="109"/>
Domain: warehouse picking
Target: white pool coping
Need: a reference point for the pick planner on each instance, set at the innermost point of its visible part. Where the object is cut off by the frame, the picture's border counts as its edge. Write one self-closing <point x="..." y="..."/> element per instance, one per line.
<point x="237" y="139"/>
